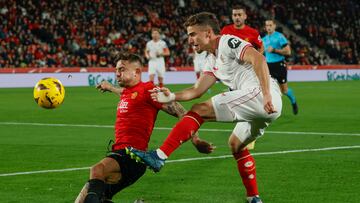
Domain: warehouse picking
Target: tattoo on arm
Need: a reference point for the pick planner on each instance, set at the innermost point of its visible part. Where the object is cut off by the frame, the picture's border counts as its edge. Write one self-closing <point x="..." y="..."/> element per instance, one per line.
<point x="175" y="109"/>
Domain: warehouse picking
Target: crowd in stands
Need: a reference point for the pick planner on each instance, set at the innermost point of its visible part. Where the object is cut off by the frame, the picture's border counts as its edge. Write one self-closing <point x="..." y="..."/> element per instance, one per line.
<point x="69" y="33"/>
<point x="331" y="25"/>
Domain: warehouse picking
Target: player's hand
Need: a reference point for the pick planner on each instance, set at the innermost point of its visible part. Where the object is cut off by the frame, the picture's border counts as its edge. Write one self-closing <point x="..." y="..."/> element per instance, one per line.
<point x="162" y="95"/>
<point x="268" y="105"/>
<point x="159" y="54"/>
<point x="104" y="86"/>
<point x="201" y="145"/>
<point x="270" y="49"/>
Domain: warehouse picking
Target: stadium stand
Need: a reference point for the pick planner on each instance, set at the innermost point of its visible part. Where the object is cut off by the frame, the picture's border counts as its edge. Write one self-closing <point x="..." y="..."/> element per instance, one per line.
<point x="85" y="33"/>
<point x="331" y="25"/>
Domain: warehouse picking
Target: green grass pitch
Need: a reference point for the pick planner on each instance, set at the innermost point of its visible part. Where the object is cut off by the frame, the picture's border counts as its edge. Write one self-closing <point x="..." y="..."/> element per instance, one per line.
<point x="329" y="118"/>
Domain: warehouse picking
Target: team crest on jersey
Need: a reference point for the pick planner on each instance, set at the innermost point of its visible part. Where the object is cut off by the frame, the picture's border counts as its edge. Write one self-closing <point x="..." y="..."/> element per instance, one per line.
<point x="234" y="43"/>
<point x="134" y="95"/>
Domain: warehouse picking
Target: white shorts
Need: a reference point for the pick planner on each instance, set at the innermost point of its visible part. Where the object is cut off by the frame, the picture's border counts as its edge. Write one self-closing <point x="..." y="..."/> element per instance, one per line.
<point x="157" y="67"/>
<point x="247" y="108"/>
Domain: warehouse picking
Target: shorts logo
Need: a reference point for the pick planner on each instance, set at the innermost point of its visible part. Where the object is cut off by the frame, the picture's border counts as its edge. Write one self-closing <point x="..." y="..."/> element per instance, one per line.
<point x="234" y="43"/>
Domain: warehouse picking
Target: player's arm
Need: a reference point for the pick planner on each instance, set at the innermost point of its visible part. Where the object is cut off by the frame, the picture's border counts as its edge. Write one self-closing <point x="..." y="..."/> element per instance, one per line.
<point x="262" y="72"/>
<point x="146" y="53"/>
<point x="164" y="95"/>
<point x="285" y="51"/>
<point x="174" y="108"/>
<point x="177" y="110"/>
<point x="166" y="52"/>
<point x="261" y="49"/>
<point x="200" y="87"/>
<point x="105" y="86"/>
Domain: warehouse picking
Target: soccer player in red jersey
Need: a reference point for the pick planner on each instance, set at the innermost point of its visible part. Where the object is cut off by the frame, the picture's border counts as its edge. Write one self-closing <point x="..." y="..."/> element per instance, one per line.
<point x="241" y="30"/>
<point x="135" y="118"/>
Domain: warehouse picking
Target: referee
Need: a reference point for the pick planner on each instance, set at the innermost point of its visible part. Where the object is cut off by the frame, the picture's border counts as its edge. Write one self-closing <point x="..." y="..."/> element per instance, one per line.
<point x="276" y="48"/>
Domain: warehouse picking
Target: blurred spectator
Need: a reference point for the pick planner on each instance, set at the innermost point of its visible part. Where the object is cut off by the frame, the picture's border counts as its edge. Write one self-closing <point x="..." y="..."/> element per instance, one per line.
<point x="82" y="33"/>
<point x="331" y="25"/>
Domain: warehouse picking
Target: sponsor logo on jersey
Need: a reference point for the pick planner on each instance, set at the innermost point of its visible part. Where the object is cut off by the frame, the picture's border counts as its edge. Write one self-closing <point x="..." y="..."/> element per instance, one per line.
<point x="234" y="43"/>
<point x="123" y="106"/>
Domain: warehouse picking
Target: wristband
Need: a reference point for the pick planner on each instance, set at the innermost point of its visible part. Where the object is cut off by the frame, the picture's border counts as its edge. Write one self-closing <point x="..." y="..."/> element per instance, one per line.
<point x="162" y="98"/>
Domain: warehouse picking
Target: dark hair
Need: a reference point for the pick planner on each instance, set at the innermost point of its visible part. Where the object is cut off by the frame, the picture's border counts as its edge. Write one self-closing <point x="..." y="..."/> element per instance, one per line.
<point x="128" y="57"/>
<point x="272" y="20"/>
<point x="238" y="7"/>
<point x="204" y="19"/>
<point x="155" y="29"/>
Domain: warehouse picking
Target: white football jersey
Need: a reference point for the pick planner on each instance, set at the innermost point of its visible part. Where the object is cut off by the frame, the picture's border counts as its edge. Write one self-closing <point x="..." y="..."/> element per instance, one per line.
<point x="228" y="65"/>
<point x="199" y="61"/>
<point x="156" y="48"/>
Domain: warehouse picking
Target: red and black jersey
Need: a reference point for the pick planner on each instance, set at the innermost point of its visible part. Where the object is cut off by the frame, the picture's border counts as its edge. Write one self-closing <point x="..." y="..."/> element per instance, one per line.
<point x="135" y="118"/>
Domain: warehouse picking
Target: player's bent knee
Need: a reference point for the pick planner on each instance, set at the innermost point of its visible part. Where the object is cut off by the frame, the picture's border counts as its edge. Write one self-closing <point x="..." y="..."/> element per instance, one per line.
<point x="235" y="144"/>
<point x="97" y="171"/>
<point x="113" y="178"/>
<point x="203" y="109"/>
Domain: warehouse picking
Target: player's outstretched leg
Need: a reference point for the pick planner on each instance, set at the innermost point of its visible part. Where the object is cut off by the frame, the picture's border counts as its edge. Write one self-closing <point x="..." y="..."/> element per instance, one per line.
<point x="95" y="191"/>
<point x="181" y="133"/>
<point x="150" y="158"/>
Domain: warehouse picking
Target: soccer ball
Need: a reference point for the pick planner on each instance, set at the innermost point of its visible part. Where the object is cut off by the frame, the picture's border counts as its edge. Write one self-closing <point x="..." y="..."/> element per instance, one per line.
<point x="49" y="93"/>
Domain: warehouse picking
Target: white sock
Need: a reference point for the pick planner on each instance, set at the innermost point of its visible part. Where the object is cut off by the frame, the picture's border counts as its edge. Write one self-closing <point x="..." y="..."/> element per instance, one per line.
<point x="251" y="197"/>
<point x="161" y="154"/>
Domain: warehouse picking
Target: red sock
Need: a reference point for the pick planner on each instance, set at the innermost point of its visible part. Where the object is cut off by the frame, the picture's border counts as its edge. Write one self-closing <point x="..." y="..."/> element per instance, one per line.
<point x="246" y="167"/>
<point x="182" y="132"/>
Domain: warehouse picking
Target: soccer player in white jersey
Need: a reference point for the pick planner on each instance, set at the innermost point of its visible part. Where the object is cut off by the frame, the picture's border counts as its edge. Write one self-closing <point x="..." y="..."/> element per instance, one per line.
<point x="155" y="51"/>
<point x="255" y="100"/>
<point x="199" y="62"/>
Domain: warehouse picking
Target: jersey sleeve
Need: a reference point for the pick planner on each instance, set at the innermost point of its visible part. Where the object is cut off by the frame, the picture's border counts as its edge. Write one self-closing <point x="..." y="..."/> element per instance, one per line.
<point x="283" y="41"/>
<point x="148" y="45"/>
<point x="164" y="45"/>
<point x="257" y="41"/>
<point x="209" y="64"/>
<point x="233" y="47"/>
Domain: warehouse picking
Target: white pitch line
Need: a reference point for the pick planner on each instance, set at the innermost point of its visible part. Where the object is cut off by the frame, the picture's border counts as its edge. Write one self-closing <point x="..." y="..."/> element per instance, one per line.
<point x="192" y="159"/>
<point x="164" y="128"/>
<point x="269" y="153"/>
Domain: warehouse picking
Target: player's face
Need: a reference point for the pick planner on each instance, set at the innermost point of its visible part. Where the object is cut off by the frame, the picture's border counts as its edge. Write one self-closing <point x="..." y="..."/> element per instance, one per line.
<point x="198" y="37"/>
<point x="238" y="17"/>
<point x="155" y="35"/>
<point x="125" y="73"/>
<point x="270" y="26"/>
